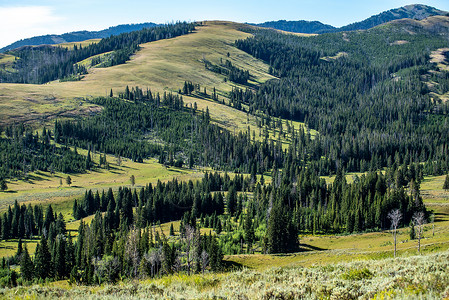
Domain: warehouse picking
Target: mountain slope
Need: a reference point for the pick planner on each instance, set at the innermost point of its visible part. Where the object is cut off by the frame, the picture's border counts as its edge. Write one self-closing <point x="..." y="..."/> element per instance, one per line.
<point x="76" y="36"/>
<point x="298" y="26"/>
<point x="416" y="11"/>
<point x="161" y="66"/>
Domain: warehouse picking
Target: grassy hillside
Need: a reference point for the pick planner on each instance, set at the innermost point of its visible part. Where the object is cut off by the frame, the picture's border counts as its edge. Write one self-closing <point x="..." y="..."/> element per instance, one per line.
<point x="162" y="65"/>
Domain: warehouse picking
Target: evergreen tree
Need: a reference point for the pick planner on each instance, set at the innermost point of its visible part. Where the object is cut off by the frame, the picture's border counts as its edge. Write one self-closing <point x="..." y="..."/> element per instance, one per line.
<point x="231" y="200"/>
<point x="68" y="180"/>
<point x="3" y="185"/>
<point x="172" y="231"/>
<point x="26" y="265"/>
<point x="446" y="183"/>
<point x="43" y="259"/>
<point x="249" y="231"/>
<point x="60" y="257"/>
<point x="281" y="234"/>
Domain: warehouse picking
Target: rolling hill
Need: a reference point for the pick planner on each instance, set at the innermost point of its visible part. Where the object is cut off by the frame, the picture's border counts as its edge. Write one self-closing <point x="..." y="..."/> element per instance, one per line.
<point x="161" y="66"/>
<point x="76" y="36"/>
<point x="364" y="91"/>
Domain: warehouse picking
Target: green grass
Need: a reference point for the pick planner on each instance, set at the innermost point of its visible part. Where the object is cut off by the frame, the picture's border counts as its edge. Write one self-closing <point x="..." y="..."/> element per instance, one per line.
<point x="44" y="188"/>
<point x="415" y="277"/>
<point x="365" y="246"/>
<point x="6" y="59"/>
<point x="88" y="61"/>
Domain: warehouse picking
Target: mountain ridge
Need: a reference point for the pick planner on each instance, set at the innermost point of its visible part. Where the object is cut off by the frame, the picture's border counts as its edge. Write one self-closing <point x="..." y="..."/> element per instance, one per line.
<point x="77" y="36"/>
<point x="413" y="11"/>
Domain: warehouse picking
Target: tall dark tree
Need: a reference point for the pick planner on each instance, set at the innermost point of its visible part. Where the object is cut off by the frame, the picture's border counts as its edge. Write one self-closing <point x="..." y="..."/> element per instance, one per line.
<point x="281" y="235"/>
<point x="446" y="183"/>
<point x="42" y="260"/>
<point x="26" y="265"/>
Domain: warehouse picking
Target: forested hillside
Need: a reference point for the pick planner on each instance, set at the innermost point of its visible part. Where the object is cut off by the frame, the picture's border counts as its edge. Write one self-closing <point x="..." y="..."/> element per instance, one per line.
<point x="76" y="36"/>
<point x="415" y="11"/>
<point x="373" y="98"/>
<point x="47" y="63"/>
<point x="369" y="103"/>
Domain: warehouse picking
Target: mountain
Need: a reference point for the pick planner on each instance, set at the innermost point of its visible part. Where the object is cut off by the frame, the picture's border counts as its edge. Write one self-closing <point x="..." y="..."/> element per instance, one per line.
<point x="76" y="36"/>
<point x="415" y="11"/>
<point x="298" y="26"/>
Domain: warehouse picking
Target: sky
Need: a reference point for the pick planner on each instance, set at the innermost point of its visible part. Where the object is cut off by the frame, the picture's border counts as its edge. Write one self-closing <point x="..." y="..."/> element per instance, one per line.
<point x="21" y="19"/>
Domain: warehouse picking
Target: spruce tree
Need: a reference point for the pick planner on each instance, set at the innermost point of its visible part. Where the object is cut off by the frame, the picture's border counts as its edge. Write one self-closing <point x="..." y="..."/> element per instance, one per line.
<point x="26" y="265"/>
<point x="281" y="234"/>
<point x="60" y="257"/>
<point x="68" y="180"/>
<point x="3" y="185"/>
<point x="231" y="200"/>
<point x="249" y="231"/>
<point x="43" y="259"/>
<point x="446" y="183"/>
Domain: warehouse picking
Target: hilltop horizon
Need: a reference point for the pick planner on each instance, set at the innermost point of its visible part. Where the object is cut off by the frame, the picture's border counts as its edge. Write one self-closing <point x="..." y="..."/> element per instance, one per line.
<point x="20" y="20"/>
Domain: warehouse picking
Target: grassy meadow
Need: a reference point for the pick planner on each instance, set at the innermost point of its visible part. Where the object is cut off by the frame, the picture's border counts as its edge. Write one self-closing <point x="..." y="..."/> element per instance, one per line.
<point x="415" y="277"/>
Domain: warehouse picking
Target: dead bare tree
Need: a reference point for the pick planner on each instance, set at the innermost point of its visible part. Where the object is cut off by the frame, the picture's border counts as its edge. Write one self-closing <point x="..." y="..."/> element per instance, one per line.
<point x="132" y="249"/>
<point x="419" y="220"/>
<point x="432" y="219"/>
<point x="204" y="260"/>
<point x="395" y="216"/>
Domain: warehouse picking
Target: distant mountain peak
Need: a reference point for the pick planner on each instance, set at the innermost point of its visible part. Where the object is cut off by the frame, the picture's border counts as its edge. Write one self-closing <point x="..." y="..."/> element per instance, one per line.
<point x="411" y="11"/>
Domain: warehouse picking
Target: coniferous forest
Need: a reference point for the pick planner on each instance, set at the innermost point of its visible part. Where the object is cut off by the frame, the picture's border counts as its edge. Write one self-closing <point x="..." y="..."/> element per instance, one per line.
<point x="368" y="99"/>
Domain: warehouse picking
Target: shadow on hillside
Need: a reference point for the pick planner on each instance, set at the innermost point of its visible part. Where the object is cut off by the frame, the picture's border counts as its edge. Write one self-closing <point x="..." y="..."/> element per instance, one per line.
<point x="232" y="265"/>
<point x="307" y="247"/>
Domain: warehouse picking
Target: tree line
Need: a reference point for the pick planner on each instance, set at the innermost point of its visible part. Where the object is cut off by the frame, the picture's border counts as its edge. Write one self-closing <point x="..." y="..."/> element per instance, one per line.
<point x="46" y="63"/>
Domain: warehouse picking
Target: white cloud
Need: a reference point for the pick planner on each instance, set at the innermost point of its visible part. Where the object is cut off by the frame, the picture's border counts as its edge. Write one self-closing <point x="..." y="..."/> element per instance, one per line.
<point x="26" y="21"/>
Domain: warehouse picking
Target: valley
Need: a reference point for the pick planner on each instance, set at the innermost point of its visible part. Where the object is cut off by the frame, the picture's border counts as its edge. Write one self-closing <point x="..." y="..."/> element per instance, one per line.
<point x="227" y="160"/>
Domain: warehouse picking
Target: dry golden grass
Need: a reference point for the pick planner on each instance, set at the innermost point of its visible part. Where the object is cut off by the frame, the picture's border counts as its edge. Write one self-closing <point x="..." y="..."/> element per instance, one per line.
<point x="161" y="65"/>
<point x="438" y="57"/>
<point x="85" y="43"/>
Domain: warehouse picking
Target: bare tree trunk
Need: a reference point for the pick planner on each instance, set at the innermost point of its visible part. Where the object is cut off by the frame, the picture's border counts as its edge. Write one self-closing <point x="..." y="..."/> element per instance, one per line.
<point x="419" y="220"/>
<point x="395" y="216"/>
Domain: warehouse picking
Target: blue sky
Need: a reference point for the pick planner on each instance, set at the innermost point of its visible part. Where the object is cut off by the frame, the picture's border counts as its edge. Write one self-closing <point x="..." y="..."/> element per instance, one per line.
<point x="26" y="18"/>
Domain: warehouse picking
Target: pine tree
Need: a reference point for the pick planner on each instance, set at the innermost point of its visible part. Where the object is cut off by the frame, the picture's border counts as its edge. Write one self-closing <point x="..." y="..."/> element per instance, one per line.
<point x="88" y="162"/>
<point x="43" y="259"/>
<point x="49" y="217"/>
<point x="70" y="254"/>
<point x="446" y="183"/>
<point x="172" y="231"/>
<point x="26" y="265"/>
<point x="249" y="231"/>
<point x="231" y="200"/>
<point x="281" y="234"/>
<point x="68" y="180"/>
<point x="19" y="249"/>
<point x="60" y="257"/>
<point x="3" y="185"/>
